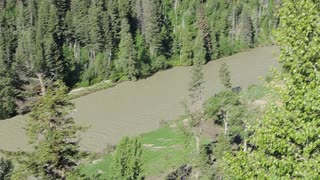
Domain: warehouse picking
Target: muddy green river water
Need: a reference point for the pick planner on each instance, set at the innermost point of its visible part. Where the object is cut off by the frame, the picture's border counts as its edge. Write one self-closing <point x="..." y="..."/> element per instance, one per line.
<point x="132" y="108"/>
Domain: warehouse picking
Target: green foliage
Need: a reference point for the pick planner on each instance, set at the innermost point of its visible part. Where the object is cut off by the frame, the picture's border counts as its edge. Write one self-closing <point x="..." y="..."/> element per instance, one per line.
<point x="186" y="51"/>
<point x="225" y="77"/>
<point x="196" y="83"/>
<point x="142" y="56"/>
<point x="127" y="161"/>
<point x="226" y="109"/>
<point x="200" y="56"/>
<point x="219" y="150"/>
<point x="6" y="168"/>
<point x="255" y="92"/>
<point x="247" y="31"/>
<point x="127" y="58"/>
<point x="286" y="140"/>
<point x="220" y="100"/>
<point x="83" y="41"/>
<point x="54" y="136"/>
<point x="7" y="95"/>
<point x="166" y="152"/>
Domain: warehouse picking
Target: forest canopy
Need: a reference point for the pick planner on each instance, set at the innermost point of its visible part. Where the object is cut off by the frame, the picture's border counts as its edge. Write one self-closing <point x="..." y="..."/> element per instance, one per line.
<point x="83" y="42"/>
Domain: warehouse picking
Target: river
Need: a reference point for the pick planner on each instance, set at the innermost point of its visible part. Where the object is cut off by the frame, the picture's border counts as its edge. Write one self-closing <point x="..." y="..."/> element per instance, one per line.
<point x="132" y="108"/>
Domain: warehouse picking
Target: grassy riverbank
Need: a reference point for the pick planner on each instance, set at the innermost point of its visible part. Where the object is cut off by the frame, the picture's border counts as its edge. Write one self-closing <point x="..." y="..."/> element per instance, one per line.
<point x="164" y="150"/>
<point x="169" y="147"/>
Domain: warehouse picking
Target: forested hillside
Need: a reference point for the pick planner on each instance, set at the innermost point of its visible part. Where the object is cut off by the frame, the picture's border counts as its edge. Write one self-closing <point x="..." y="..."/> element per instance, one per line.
<point x="83" y="42"/>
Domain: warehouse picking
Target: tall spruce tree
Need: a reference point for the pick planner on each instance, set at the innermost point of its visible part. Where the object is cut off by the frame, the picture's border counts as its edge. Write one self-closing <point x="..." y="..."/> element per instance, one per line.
<point x="48" y="62"/>
<point x="7" y="90"/>
<point x="224" y="75"/>
<point x="127" y="56"/>
<point x="151" y="28"/>
<point x="200" y="53"/>
<point x="247" y="31"/>
<point x="196" y="86"/>
<point x="127" y="162"/>
<point x="54" y="136"/>
<point x="204" y="31"/>
<point x="186" y="50"/>
<point x="7" y="93"/>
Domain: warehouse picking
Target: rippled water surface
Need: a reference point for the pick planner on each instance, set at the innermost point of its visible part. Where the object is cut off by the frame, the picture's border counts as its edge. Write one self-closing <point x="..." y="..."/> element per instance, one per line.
<point x="131" y="108"/>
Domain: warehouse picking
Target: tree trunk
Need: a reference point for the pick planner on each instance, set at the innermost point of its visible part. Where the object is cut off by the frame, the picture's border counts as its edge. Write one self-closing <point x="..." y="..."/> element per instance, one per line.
<point x="225" y="120"/>
<point x="245" y="145"/>
<point x="175" y="8"/>
<point x="42" y="83"/>
<point x="197" y="141"/>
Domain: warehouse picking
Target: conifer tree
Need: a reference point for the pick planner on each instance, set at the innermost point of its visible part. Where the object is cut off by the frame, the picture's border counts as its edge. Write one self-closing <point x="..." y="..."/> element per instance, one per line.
<point x="142" y="56"/>
<point x="7" y="93"/>
<point x="200" y="53"/>
<point x="224" y="75"/>
<point x="54" y="136"/>
<point x="186" y="51"/>
<point x="247" y="31"/>
<point x="96" y="34"/>
<point x="6" y="168"/>
<point x="125" y="8"/>
<point x="114" y="24"/>
<point x="7" y="90"/>
<point x="204" y="31"/>
<point x="48" y="62"/>
<point x="127" y="56"/>
<point x="79" y="21"/>
<point x="196" y="96"/>
<point x="127" y="161"/>
<point x="152" y="30"/>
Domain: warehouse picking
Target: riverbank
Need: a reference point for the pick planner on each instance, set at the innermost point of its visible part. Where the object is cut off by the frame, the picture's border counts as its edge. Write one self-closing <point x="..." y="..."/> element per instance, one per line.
<point x="169" y="147"/>
<point x="132" y="108"/>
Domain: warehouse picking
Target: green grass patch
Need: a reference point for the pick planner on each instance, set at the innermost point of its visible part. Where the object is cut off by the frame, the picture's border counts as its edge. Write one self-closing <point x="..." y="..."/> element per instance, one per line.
<point x="163" y="151"/>
<point x="255" y="92"/>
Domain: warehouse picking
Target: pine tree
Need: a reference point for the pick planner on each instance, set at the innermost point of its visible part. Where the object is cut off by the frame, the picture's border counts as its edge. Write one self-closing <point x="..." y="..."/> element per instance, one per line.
<point x="186" y="51"/>
<point x="7" y="90"/>
<point x="54" y="136"/>
<point x="125" y="8"/>
<point x="48" y="62"/>
<point x="7" y="93"/>
<point x="96" y="33"/>
<point x="78" y="15"/>
<point x="127" y="56"/>
<point x="142" y="56"/>
<point x="247" y="31"/>
<point x="113" y="18"/>
<point x="196" y="97"/>
<point x="224" y="75"/>
<point x="127" y="161"/>
<point x="286" y="141"/>
<point x="200" y="53"/>
<point x="153" y="32"/>
<point x="204" y="31"/>
<point x="6" y="168"/>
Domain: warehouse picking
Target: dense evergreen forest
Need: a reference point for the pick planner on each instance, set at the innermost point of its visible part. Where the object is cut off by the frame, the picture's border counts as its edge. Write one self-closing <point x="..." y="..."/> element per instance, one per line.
<point x="83" y="42"/>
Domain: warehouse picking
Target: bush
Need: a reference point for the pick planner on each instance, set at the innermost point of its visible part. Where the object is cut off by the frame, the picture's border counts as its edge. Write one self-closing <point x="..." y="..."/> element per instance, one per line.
<point x="6" y="169"/>
<point x="255" y="92"/>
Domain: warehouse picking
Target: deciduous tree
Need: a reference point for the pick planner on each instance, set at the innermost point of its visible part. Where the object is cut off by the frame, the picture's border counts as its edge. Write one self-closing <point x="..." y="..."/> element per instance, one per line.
<point x="286" y="141"/>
